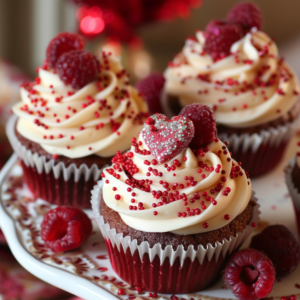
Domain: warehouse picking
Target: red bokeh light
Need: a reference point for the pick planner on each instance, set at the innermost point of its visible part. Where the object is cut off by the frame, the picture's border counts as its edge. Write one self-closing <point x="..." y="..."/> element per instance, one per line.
<point x="92" y="25"/>
<point x="91" y="21"/>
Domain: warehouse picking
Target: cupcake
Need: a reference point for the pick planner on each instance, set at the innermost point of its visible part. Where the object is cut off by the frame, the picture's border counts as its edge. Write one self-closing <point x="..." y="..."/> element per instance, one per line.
<point x="292" y="179"/>
<point x="234" y="68"/>
<point x="170" y="215"/>
<point x="72" y="119"/>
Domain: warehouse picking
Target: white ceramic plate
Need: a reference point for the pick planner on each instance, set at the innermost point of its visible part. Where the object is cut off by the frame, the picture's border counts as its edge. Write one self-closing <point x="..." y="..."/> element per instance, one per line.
<point x="87" y="272"/>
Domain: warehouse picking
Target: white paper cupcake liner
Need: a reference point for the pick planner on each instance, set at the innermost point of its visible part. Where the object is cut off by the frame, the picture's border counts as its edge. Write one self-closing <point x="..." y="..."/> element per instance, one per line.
<point x="226" y="247"/>
<point x="40" y="163"/>
<point x="273" y="136"/>
<point x="295" y="195"/>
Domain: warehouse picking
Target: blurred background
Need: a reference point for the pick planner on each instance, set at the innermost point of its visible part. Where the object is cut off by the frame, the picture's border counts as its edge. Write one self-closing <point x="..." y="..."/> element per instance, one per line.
<point x="146" y="33"/>
<point x="26" y="27"/>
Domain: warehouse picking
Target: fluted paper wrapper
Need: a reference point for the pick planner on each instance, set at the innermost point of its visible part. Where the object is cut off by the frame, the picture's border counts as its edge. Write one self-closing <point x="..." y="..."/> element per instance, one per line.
<point x="54" y="182"/>
<point x="260" y="153"/>
<point x="196" y="268"/>
<point x="294" y="193"/>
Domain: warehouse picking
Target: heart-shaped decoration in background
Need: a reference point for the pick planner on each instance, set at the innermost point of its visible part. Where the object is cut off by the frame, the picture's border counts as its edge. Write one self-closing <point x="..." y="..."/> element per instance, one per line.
<point x="166" y="138"/>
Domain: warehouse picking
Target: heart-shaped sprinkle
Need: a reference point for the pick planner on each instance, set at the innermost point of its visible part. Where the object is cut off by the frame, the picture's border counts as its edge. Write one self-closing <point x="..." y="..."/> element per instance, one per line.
<point x="167" y="138"/>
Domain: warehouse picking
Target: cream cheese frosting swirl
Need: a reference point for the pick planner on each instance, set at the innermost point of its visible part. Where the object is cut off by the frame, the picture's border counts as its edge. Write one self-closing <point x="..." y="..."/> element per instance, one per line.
<point x="250" y="87"/>
<point x="99" y="118"/>
<point x="190" y="194"/>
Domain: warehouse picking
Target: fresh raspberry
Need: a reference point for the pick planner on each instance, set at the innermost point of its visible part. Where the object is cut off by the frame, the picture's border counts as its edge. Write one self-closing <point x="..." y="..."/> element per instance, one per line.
<point x="151" y="87"/>
<point x="279" y="244"/>
<point x="249" y="274"/>
<point x="65" y="228"/>
<point x="63" y="42"/>
<point x="77" y="68"/>
<point x="219" y="36"/>
<point x="204" y="122"/>
<point x="246" y="14"/>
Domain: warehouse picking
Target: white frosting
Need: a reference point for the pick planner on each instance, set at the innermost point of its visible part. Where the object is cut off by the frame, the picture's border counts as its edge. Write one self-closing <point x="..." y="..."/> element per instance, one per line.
<point x="80" y="124"/>
<point x="232" y="90"/>
<point x="167" y="219"/>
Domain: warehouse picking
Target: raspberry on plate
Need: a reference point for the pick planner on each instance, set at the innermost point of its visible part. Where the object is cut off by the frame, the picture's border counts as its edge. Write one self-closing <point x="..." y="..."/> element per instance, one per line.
<point x="204" y="122"/>
<point x="219" y="37"/>
<point x="65" y="228"/>
<point x="279" y="244"/>
<point x="249" y="274"/>
<point x="246" y="14"/>
<point x="63" y="42"/>
<point x="151" y="88"/>
<point x="77" y="68"/>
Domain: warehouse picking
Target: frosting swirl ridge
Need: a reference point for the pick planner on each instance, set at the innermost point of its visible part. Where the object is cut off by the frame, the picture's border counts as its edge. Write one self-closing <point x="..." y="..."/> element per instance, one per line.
<point x="191" y="193"/>
<point x="98" y="119"/>
<point x="250" y="87"/>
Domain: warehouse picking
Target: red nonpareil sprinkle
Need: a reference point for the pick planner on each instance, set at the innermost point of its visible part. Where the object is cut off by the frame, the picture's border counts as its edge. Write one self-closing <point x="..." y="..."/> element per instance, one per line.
<point x="121" y="292"/>
<point x="226" y="217"/>
<point x="205" y="225"/>
<point x="55" y="156"/>
<point x="253" y="224"/>
<point x="117" y="197"/>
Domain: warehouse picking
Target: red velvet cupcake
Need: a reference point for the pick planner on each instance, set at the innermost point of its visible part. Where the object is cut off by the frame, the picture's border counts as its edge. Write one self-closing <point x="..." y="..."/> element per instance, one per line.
<point x="75" y="116"/>
<point x="170" y="213"/>
<point x="235" y="69"/>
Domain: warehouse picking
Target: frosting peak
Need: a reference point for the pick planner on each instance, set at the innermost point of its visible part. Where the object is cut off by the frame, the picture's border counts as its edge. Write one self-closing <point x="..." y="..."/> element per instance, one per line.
<point x="250" y="87"/>
<point x="189" y="194"/>
<point x="99" y="118"/>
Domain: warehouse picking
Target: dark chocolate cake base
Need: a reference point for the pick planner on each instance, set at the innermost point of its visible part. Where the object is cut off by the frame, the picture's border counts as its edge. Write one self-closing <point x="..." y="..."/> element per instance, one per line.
<point x="114" y="220"/>
<point x="88" y="160"/>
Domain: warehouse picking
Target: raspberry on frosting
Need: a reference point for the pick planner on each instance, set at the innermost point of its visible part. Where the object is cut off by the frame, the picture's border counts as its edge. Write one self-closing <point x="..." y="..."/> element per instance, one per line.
<point x="65" y="228"/>
<point x="62" y="43"/>
<point x="250" y="275"/>
<point x="77" y="68"/>
<point x="219" y="37"/>
<point x="204" y="122"/>
<point x="247" y="14"/>
<point x="279" y="244"/>
<point x="98" y="119"/>
<point x="151" y="88"/>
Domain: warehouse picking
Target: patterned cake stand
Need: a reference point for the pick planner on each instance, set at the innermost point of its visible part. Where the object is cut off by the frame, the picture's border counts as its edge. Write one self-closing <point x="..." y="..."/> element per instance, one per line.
<point x="87" y="272"/>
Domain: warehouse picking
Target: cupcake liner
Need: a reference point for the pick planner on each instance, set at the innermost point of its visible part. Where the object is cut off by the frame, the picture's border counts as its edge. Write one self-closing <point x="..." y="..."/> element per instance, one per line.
<point x="260" y="153"/>
<point x="167" y="270"/>
<point x="54" y="182"/>
<point x="295" y="195"/>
